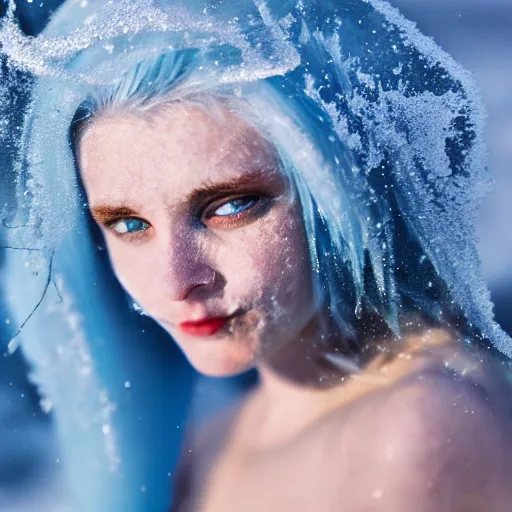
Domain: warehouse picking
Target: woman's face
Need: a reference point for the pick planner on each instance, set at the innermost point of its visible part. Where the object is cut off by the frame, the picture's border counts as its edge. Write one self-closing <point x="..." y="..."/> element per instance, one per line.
<point x="201" y="231"/>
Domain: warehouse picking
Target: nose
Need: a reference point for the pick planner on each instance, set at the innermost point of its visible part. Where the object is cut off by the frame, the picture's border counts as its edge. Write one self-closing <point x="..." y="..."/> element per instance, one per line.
<point x="186" y="267"/>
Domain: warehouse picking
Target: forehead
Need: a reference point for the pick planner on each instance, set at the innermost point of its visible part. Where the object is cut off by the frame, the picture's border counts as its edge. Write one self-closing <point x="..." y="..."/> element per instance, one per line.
<point x="171" y="151"/>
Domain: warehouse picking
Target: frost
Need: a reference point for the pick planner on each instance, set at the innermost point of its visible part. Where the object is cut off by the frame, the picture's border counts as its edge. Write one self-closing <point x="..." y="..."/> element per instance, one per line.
<point x="409" y="118"/>
<point x="394" y="141"/>
<point x="73" y="361"/>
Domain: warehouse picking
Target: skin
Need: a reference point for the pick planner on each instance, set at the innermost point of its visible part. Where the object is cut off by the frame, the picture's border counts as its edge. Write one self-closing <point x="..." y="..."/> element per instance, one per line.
<point x="397" y="436"/>
<point x="186" y="266"/>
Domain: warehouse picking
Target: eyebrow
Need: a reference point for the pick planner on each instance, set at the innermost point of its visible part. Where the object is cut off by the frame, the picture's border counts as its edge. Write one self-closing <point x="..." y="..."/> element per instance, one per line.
<point x="106" y="213"/>
<point x="208" y="189"/>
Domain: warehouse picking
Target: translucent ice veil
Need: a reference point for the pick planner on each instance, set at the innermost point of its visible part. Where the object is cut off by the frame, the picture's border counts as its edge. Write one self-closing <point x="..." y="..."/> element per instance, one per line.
<point x="381" y="131"/>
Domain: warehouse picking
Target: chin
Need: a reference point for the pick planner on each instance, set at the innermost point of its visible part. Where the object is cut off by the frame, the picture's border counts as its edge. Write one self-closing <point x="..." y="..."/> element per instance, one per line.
<point x="217" y="361"/>
<point x="222" y="372"/>
<point x="221" y="368"/>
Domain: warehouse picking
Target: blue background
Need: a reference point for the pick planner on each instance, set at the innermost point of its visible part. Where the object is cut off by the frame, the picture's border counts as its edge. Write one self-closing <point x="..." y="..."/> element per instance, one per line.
<point x="477" y="33"/>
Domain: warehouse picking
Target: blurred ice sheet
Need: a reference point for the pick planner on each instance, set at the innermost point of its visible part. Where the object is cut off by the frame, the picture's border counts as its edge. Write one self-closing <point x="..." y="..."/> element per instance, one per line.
<point x="30" y="479"/>
<point x="477" y="33"/>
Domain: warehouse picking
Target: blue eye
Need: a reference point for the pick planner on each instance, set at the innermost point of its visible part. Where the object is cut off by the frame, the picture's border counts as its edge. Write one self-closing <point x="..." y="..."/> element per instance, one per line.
<point x="132" y="225"/>
<point x="234" y="207"/>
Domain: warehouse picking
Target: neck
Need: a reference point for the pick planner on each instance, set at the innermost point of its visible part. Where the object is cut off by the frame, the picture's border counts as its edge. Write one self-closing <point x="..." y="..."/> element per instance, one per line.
<point x="300" y="382"/>
<point x="318" y="358"/>
<point x="300" y="385"/>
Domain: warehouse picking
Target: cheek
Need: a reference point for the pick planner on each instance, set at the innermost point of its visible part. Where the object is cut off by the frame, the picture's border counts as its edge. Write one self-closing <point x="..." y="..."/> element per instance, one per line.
<point x="135" y="270"/>
<point x="270" y="262"/>
<point x="288" y="256"/>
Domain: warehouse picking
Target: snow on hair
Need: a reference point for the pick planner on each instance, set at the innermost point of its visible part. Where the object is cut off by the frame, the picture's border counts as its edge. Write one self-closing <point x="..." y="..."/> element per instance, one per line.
<point x="353" y="271"/>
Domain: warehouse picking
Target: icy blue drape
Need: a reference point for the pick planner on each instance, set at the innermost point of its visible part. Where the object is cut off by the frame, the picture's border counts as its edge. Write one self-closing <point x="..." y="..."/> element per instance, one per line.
<point x="409" y="115"/>
<point x="116" y="385"/>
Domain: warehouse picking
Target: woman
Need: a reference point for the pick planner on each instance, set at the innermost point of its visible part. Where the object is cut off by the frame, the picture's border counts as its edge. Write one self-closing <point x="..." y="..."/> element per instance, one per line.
<point x="292" y="190"/>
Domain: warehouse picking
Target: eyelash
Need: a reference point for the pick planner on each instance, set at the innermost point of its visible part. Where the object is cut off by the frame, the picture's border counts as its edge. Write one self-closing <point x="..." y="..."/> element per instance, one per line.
<point x="230" y="220"/>
<point x="208" y="213"/>
<point x="132" y="234"/>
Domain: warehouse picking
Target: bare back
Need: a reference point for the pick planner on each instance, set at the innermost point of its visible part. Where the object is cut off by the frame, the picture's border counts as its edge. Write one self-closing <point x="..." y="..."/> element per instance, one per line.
<point x="387" y="422"/>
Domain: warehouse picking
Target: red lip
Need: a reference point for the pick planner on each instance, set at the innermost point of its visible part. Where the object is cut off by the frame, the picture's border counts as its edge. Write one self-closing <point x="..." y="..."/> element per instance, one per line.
<point x="206" y="327"/>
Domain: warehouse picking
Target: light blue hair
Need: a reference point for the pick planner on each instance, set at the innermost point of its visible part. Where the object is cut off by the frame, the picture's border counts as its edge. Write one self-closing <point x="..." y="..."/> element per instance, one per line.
<point x="379" y="132"/>
<point x="387" y="154"/>
<point x="353" y="229"/>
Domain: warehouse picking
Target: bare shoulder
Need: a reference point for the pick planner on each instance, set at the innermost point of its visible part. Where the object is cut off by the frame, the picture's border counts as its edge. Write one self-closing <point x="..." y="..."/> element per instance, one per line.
<point x="453" y="416"/>
<point x="439" y="439"/>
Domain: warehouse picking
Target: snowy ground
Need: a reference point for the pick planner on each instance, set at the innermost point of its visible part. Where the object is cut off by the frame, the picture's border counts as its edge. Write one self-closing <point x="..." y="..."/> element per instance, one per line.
<point x="477" y="33"/>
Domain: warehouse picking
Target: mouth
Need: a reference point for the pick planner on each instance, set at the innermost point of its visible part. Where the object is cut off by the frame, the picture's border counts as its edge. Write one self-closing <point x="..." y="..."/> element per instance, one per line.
<point x="207" y="326"/>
